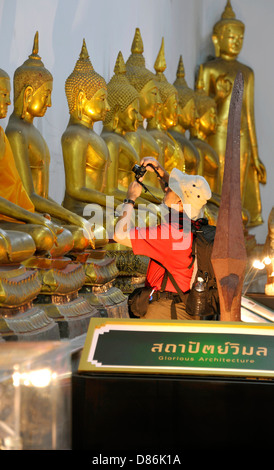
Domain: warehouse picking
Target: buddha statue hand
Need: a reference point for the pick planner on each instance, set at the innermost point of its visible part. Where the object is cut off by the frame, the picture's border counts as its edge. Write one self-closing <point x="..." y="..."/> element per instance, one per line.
<point x="259" y="166"/>
<point x="88" y="233"/>
<point x="7" y="245"/>
<point x="55" y="229"/>
<point x="223" y="87"/>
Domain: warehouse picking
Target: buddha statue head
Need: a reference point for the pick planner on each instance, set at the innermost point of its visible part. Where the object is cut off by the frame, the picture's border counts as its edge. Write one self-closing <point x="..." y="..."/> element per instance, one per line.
<point x="142" y="79"/>
<point x="4" y="93"/>
<point x="186" y="98"/>
<point x="86" y="91"/>
<point x="168" y="113"/>
<point x="206" y="109"/>
<point x="123" y="100"/>
<point x="32" y="86"/>
<point x="228" y="34"/>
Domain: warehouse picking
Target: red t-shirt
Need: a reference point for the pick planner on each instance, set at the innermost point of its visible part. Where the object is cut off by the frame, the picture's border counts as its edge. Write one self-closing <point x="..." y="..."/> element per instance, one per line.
<point x="167" y="244"/>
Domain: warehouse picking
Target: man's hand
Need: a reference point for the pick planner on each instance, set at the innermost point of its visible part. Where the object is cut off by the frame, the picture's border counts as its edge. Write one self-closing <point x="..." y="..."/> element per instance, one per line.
<point x="151" y="161"/>
<point x="134" y="190"/>
<point x="147" y="161"/>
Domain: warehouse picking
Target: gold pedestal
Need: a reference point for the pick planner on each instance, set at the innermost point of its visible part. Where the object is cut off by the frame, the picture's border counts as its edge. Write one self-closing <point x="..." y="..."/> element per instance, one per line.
<point x="61" y="280"/>
<point x="20" y="320"/>
<point x="99" y="289"/>
<point x="30" y="324"/>
<point x="107" y="299"/>
<point x="71" y="313"/>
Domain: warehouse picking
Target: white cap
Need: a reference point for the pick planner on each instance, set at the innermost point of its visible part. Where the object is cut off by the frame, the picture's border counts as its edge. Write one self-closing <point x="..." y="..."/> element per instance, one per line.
<point x="191" y="189"/>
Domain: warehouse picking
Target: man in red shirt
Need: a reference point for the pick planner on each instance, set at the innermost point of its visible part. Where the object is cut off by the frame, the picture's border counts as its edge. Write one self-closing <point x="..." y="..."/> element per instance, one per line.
<point x="169" y="243"/>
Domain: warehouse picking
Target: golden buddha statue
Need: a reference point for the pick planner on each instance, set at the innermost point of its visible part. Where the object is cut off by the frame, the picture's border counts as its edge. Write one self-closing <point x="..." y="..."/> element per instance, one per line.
<point x="20" y="286"/>
<point x="85" y="153"/>
<point x="122" y="118"/>
<point x="166" y="117"/>
<point x="32" y="97"/>
<point x="219" y="75"/>
<point x="186" y="120"/>
<point x="61" y="278"/>
<point x="86" y="162"/>
<point x="16" y="208"/>
<point x="205" y="125"/>
<point x="143" y="80"/>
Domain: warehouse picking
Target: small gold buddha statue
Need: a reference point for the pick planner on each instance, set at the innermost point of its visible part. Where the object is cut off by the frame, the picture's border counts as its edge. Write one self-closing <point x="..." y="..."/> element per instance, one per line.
<point x="219" y="75"/>
<point x="205" y="125"/>
<point x="186" y="120"/>
<point x="122" y="118"/>
<point x="143" y="80"/>
<point x="166" y="117"/>
<point x="32" y="97"/>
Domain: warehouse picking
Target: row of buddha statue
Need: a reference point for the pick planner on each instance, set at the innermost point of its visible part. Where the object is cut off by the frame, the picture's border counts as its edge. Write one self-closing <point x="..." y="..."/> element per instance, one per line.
<point x="143" y="115"/>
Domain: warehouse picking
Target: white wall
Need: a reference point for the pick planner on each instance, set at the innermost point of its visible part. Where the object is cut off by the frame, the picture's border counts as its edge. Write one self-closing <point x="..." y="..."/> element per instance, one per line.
<point x="108" y="26"/>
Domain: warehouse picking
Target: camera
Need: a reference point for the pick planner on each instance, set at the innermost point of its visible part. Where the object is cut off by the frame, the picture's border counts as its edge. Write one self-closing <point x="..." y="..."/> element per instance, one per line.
<point x="139" y="171"/>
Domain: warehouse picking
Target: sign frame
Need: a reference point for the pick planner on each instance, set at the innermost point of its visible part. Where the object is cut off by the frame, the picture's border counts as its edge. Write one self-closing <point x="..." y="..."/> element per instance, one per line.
<point x="146" y="347"/>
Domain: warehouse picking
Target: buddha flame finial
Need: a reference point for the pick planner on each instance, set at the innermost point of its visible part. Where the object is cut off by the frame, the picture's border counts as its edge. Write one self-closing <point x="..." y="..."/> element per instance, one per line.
<point x="35" y="47"/>
<point x="31" y="71"/>
<point x="160" y="62"/>
<point x="83" y="78"/>
<point x="84" y="52"/>
<point x="136" y="71"/>
<point x="184" y="92"/>
<point x="200" y="80"/>
<point x="228" y="17"/>
<point x="165" y="88"/>
<point x="180" y="70"/>
<point x="228" y="12"/>
<point x="120" y="66"/>
<point x="35" y="44"/>
<point x="120" y="92"/>
<point x="137" y="43"/>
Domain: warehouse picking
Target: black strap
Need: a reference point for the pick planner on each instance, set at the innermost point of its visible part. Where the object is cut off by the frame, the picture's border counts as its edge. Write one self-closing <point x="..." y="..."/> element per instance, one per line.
<point x="173" y="311"/>
<point x="163" y="285"/>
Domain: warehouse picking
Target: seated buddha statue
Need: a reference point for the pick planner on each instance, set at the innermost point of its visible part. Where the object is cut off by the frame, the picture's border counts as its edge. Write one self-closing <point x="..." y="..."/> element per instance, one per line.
<point x="122" y="118"/>
<point x="143" y="80"/>
<point x="205" y="125"/>
<point x="32" y="97"/>
<point x="219" y="75"/>
<point x="166" y="117"/>
<point x="186" y="120"/>
<point x="85" y="153"/>
<point x="17" y="212"/>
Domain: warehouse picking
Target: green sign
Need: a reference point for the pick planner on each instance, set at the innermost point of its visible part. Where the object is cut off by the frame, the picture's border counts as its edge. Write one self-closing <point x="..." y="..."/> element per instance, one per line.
<point x="143" y="346"/>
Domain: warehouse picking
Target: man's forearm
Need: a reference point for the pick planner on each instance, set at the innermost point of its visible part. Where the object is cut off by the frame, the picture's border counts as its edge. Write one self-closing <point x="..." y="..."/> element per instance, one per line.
<point x="164" y="177"/>
<point x="122" y="227"/>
